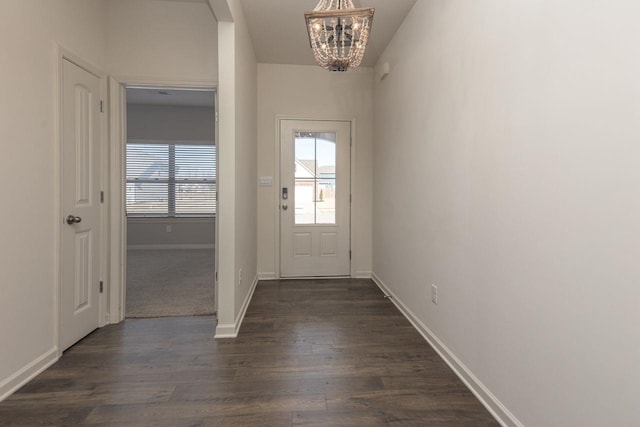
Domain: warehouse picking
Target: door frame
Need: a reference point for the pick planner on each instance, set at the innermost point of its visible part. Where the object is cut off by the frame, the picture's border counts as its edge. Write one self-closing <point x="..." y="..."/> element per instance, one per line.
<point x="62" y="54"/>
<point x="276" y="184"/>
<point x="117" y="194"/>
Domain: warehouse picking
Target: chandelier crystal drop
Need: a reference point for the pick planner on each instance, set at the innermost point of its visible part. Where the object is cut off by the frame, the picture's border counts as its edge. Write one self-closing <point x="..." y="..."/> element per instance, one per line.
<point x="338" y="33"/>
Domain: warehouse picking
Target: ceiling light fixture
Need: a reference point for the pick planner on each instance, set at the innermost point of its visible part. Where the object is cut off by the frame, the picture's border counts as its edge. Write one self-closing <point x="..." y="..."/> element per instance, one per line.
<point x="338" y="33"/>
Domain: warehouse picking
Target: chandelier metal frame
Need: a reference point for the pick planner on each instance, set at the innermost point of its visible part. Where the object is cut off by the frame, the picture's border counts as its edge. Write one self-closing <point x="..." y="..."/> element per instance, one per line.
<point x="338" y="33"/>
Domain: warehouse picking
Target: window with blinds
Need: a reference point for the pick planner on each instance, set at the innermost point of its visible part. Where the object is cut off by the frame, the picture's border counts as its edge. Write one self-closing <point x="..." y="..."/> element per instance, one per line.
<point x="171" y="180"/>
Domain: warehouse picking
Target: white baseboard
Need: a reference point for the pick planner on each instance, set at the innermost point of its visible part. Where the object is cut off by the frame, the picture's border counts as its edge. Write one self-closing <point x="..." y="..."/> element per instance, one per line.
<point x="166" y="247"/>
<point x="362" y="275"/>
<point x="484" y="395"/>
<point x="274" y="276"/>
<point x="267" y="276"/>
<point x="26" y="374"/>
<point x="225" y="331"/>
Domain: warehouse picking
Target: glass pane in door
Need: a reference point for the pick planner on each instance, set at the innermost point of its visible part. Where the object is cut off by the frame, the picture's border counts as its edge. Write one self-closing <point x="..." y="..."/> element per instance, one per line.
<point x="315" y="178"/>
<point x="326" y="179"/>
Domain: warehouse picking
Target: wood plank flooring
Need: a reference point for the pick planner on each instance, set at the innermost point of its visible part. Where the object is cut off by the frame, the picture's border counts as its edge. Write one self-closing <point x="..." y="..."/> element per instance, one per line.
<point x="310" y="353"/>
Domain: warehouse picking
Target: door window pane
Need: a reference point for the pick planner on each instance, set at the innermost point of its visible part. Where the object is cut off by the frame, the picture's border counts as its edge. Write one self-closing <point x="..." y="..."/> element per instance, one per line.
<point x="304" y="197"/>
<point x="326" y="201"/>
<point x="315" y="178"/>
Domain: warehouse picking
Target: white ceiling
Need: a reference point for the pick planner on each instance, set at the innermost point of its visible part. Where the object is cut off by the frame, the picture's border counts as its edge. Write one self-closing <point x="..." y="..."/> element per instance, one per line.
<point x="174" y="97"/>
<point x="279" y="34"/>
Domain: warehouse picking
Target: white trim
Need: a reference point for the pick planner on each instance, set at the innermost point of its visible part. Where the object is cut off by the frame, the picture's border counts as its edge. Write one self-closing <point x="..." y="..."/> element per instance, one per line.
<point x="118" y="220"/>
<point x="117" y="217"/>
<point x="57" y="196"/>
<point x="168" y="247"/>
<point x="63" y="54"/>
<point x="142" y="82"/>
<point x="276" y="184"/>
<point x="313" y="278"/>
<point x="276" y="195"/>
<point x="362" y="275"/>
<point x="225" y="331"/>
<point x="480" y="391"/>
<point x="27" y="373"/>
<point x="105" y="207"/>
<point x="267" y="276"/>
<point x="353" y="206"/>
<point x="216" y="224"/>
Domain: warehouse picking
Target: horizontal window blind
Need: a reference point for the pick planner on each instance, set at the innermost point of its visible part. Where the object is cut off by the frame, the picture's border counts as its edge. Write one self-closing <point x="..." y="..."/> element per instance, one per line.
<point x="171" y="180"/>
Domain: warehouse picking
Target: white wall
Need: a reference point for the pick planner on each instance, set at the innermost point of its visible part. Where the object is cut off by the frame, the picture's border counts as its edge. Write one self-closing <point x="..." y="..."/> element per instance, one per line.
<point x="171" y="123"/>
<point x="246" y="159"/>
<point x="313" y="93"/>
<point x="143" y="40"/>
<point x="164" y="43"/>
<point x="171" y="233"/>
<point x="161" y="41"/>
<point x="29" y="171"/>
<point x="506" y="172"/>
<point x="236" y="170"/>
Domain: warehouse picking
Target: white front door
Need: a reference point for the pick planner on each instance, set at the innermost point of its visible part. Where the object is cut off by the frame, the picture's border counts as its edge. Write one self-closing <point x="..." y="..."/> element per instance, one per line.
<point x="80" y="288"/>
<point x="315" y="193"/>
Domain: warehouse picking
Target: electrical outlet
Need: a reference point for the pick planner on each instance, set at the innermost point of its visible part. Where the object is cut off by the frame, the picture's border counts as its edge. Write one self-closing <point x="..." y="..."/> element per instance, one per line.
<point x="168" y="229"/>
<point x="434" y="294"/>
<point x="240" y="276"/>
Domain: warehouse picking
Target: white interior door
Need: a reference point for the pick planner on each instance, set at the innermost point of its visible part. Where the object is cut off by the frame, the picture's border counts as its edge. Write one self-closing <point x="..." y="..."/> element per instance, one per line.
<point x="79" y="296"/>
<point x="315" y="198"/>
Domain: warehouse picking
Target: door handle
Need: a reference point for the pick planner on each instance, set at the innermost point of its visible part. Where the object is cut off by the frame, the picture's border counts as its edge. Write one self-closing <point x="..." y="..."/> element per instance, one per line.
<point x="285" y="207"/>
<point x="73" y="219"/>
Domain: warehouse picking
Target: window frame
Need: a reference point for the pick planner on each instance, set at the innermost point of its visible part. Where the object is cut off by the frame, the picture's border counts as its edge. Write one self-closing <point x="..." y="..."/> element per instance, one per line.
<point x="171" y="181"/>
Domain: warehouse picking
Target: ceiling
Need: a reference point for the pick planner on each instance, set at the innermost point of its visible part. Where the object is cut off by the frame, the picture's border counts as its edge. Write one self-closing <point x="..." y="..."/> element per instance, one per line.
<point x="279" y="34"/>
<point x="168" y="96"/>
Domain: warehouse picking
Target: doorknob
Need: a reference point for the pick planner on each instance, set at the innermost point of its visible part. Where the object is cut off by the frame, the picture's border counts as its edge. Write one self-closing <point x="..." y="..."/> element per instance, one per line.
<point x="285" y="207"/>
<point x="73" y="219"/>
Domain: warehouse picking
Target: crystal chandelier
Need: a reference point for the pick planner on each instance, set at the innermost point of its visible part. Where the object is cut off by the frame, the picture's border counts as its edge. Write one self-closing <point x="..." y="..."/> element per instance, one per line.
<point x="338" y="33"/>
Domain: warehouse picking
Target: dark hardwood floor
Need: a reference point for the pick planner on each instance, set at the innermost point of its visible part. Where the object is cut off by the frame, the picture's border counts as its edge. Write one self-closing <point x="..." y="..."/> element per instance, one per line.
<point x="314" y="353"/>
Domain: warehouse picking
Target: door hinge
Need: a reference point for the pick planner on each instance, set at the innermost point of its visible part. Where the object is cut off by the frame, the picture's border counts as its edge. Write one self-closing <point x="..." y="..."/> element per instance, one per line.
<point x="102" y="197"/>
<point x="217" y="117"/>
<point x="101" y="286"/>
<point x="216" y="276"/>
<point x="101" y="106"/>
<point x="349" y="255"/>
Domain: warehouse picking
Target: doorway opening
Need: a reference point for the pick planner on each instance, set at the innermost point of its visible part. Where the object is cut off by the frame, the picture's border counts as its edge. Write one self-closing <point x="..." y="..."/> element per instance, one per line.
<point x="170" y="202"/>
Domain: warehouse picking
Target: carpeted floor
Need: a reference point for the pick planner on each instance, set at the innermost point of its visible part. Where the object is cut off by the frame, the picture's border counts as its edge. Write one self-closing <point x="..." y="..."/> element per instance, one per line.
<point x="176" y="282"/>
